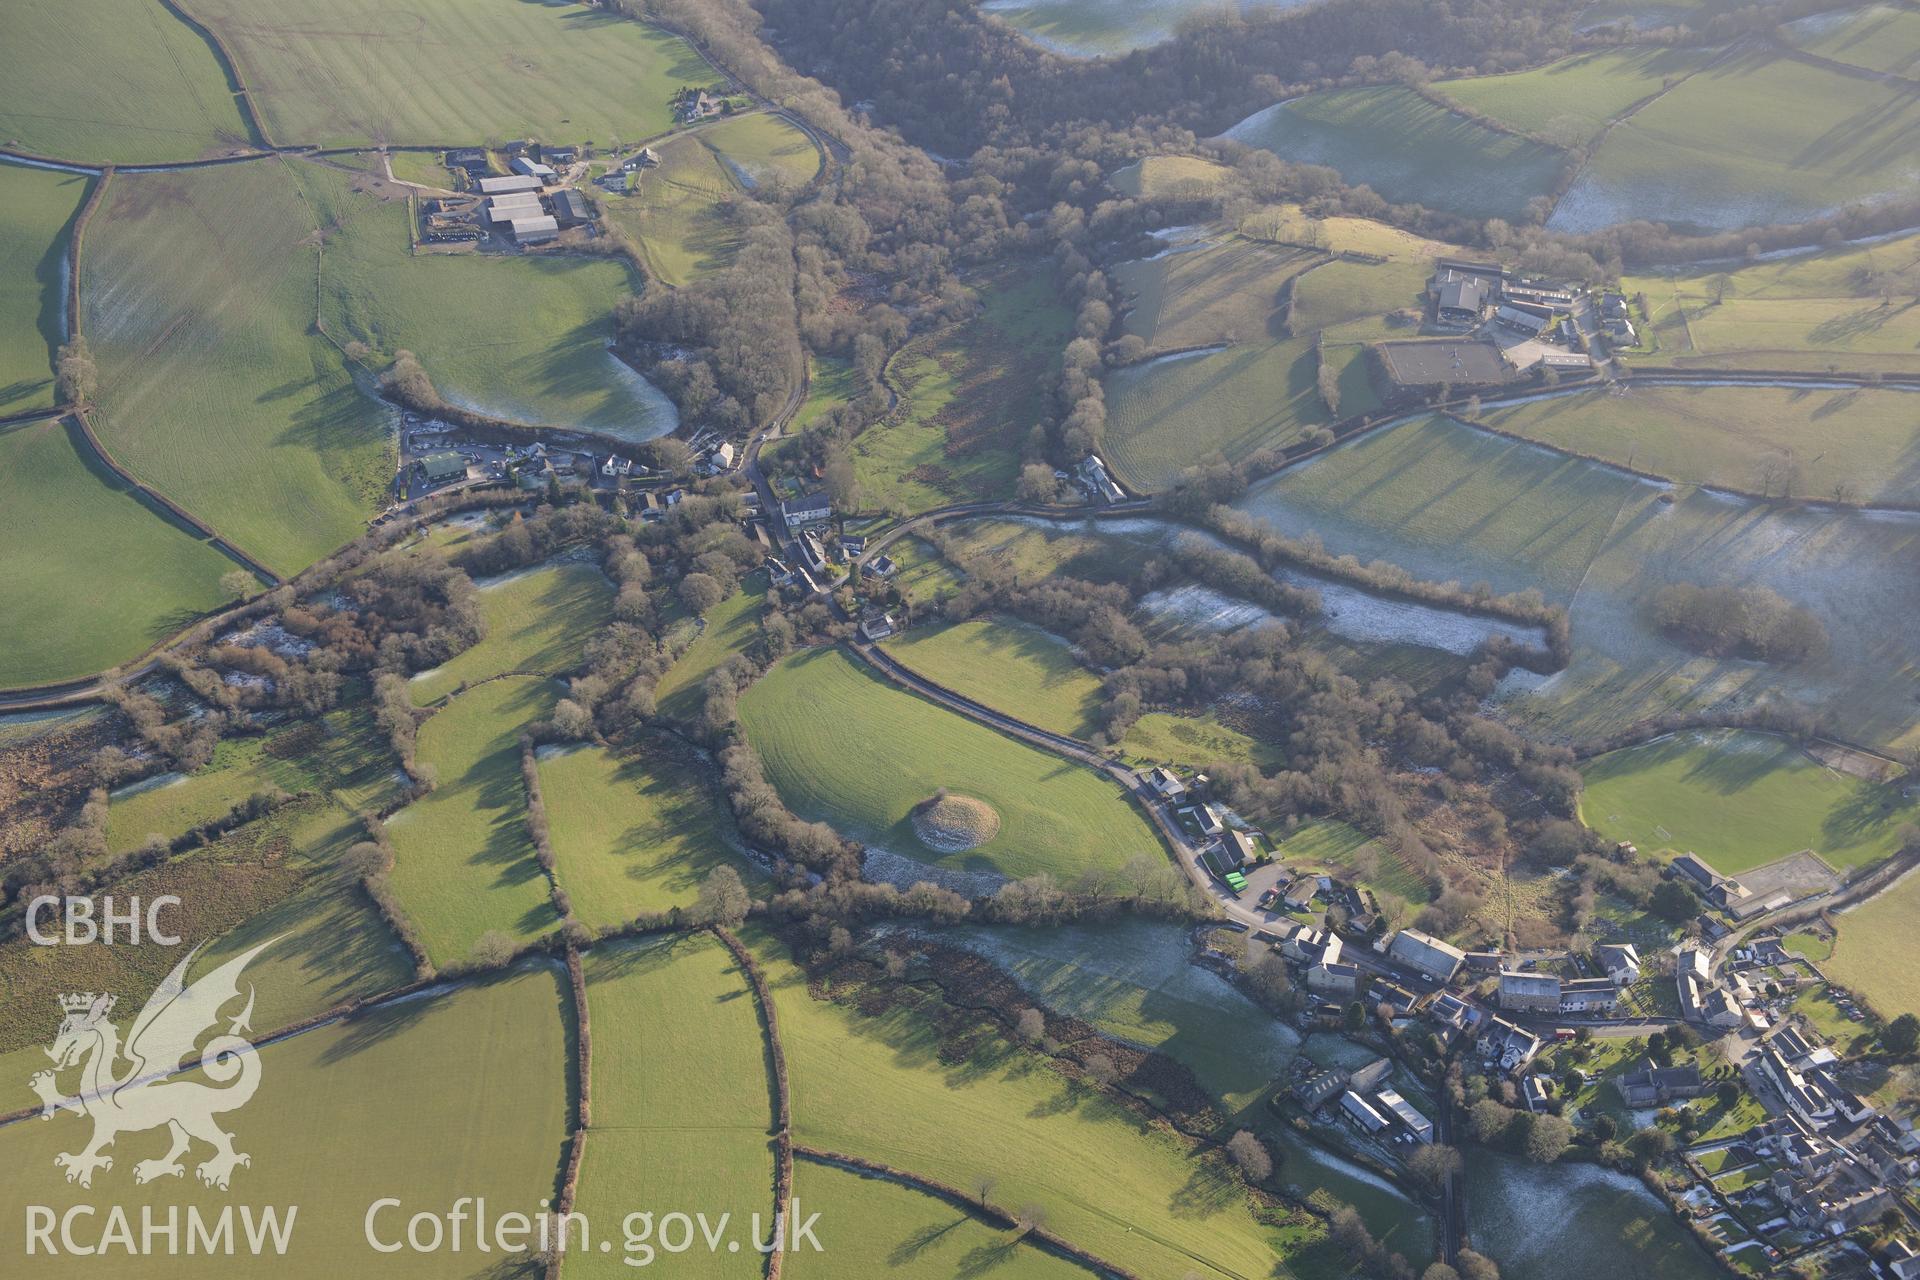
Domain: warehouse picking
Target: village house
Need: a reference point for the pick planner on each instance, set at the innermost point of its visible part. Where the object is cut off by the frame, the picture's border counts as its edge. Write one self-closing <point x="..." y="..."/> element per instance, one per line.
<point x="1652" y="1086"/>
<point x="1165" y="784"/>
<point x="879" y="567"/>
<point x="1335" y="980"/>
<point x="809" y="508"/>
<point x="1507" y="1045"/>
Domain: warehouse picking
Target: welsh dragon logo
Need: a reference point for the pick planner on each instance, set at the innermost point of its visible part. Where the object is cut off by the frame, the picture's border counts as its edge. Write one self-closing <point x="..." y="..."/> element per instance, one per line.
<point x="145" y="1095"/>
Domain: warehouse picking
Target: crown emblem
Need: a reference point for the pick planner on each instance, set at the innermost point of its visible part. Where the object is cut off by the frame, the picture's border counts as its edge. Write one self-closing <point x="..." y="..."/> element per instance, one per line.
<point x="81" y="1001"/>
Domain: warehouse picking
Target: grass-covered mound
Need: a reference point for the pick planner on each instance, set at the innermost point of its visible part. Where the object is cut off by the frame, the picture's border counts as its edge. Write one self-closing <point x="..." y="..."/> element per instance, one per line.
<point x="953" y="824"/>
<point x="845" y="746"/>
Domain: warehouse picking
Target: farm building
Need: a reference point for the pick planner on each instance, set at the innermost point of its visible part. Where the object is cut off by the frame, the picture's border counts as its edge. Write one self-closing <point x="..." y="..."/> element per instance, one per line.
<point x="471" y="159"/>
<point x="1361" y="1112"/>
<point x="443" y="467"/>
<point x="508" y="185"/>
<point x="1402" y="1110"/>
<point x="1695" y="870"/>
<point x="535" y="230"/>
<point x="571" y="208"/>
<point x="1461" y="299"/>
<point x="1521" y="321"/>
<point x="1438" y="960"/>
<point x="521" y="204"/>
<point x="1566" y="360"/>
<point x="532" y="168"/>
<point x="1316" y="1090"/>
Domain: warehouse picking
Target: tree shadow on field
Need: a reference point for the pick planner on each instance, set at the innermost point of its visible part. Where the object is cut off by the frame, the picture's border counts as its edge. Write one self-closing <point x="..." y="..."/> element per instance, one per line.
<point x="920" y="1241"/>
<point x="987" y="1257"/>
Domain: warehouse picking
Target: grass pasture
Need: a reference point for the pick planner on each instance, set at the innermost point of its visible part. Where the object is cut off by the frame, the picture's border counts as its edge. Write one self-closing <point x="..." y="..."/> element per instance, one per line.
<point x="1170" y="178"/>
<point x="1235" y="379"/>
<point x="1740" y="800"/>
<point x="453" y="72"/>
<point x="1864" y="442"/>
<point x="1447" y="502"/>
<point x="1851" y="308"/>
<point x="198" y="294"/>
<point x="538" y="622"/>
<point x="462" y="1093"/>
<point x="1334" y="846"/>
<point x="880" y="751"/>
<point x="1614" y="1225"/>
<point x="37" y="209"/>
<point x="880" y="1087"/>
<point x="1760" y="138"/>
<point x="682" y="1107"/>
<point x="1874" y="953"/>
<point x="1004" y="663"/>
<point x="1571" y="100"/>
<point x="1407" y="149"/>
<point x="680" y="214"/>
<point x="463" y="858"/>
<point x="872" y="1227"/>
<point x="1100" y="28"/>
<point x="523" y="337"/>
<point x="341" y="755"/>
<point x="112" y="81"/>
<point x="634" y="829"/>
<point x="1879" y="37"/>
<point x="67" y="521"/>
<point x="731" y="626"/>
<point x="969" y="395"/>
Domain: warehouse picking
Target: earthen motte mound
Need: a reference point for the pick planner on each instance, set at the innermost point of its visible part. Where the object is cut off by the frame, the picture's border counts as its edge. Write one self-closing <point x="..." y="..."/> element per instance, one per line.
<point x="954" y="824"/>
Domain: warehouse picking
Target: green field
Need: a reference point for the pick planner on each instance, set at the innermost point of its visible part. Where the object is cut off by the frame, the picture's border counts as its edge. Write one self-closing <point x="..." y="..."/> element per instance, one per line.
<point x="1133" y="980"/>
<point x="112" y="81"/>
<point x="1407" y="149"/>
<point x="1740" y="800"/>
<point x="538" y="622"/>
<point x="1848" y="308"/>
<point x="872" y="1227"/>
<point x="523" y="337"/>
<point x="1447" y="502"/>
<point x="37" y="209"/>
<point x="1170" y="178"/>
<point x="1880" y="37"/>
<point x="1755" y="139"/>
<point x="680" y="214"/>
<point x="463" y="858"/>
<point x="1018" y="668"/>
<point x="1861" y="442"/>
<point x="879" y="1087"/>
<point x="1241" y="382"/>
<point x="459" y="1094"/>
<point x="199" y="305"/>
<point x="1097" y="28"/>
<point x="969" y="395"/>
<point x="682" y="1108"/>
<point x="92" y="575"/>
<point x="635" y="828"/>
<point x="453" y="72"/>
<point x="1333" y="846"/>
<point x="844" y="746"/>
<point x="1196" y="741"/>
<point x="830" y="383"/>
<point x="342" y="755"/>
<point x="1874" y="955"/>
<point x="731" y="626"/>
<point x="1570" y="100"/>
